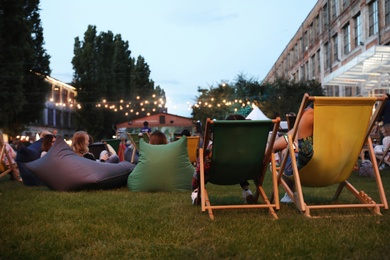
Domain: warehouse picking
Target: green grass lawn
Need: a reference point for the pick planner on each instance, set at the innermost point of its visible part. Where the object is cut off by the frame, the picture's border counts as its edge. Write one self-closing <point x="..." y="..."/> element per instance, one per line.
<point x="37" y="223"/>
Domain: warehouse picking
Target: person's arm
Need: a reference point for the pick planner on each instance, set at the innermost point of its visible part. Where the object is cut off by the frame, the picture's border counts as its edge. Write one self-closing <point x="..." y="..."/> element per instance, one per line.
<point x="280" y="143"/>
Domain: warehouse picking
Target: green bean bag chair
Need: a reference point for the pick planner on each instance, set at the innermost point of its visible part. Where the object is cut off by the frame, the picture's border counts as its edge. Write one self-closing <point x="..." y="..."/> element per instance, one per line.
<point x="162" y="168"/>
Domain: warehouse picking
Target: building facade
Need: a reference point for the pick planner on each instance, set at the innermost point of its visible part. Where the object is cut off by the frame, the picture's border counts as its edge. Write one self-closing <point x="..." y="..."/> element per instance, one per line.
<point x="344" y="44"/>
<point x="58" y="112"/>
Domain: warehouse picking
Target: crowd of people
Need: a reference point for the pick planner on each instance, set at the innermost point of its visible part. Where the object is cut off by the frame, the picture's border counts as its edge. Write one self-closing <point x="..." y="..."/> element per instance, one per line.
<point x="81" y="141"/>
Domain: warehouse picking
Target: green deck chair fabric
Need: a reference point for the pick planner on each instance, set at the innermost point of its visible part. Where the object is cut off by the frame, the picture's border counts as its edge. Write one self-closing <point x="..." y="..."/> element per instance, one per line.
<point x="238" y="154"/>
<point x="238" y="150"/>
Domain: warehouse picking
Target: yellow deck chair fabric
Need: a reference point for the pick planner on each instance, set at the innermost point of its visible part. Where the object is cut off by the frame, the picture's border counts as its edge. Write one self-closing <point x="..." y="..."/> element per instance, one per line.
<point x="239" y="153"/>
<point x="192" y="147"/>
<point x="339" y="132"/>
<point x="341" y="128"/>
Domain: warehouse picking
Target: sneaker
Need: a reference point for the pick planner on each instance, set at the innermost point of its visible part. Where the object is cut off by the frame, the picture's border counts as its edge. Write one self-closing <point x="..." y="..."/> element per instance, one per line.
<point x="194" y="197"/>
<point x="286" y="199"/>
<point x="248" y="196"/>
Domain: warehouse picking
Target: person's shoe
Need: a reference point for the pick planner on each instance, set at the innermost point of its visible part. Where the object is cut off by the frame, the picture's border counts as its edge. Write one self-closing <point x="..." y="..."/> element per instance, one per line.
<point x="286" y="199"/>
<point x="248" y="196"/>
<point x="194" y="197"/>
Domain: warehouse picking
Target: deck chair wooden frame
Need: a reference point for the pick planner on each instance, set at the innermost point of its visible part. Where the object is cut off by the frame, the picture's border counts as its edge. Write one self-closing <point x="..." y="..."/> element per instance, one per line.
<point x="8" y="168"/>
<point x="134" y="140"/>
<point x="345" y="124"/>
<point x="290" y="121"/>
<point x="247" y="158"/>
<point x="382" y="156"/>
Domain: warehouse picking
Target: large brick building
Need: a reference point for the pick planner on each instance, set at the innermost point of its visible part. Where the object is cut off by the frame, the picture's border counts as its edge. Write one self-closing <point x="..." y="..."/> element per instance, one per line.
<point x="344" y="44"/>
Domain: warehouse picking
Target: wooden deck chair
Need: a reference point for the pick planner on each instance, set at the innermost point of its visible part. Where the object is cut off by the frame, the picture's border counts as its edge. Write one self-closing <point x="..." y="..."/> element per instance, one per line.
<point x="238" y="154"/>
<point x="134" y="140"/>
<point x="342" y="125"/>
<point x="146" y="136"/>
<point x="6" y="169"/>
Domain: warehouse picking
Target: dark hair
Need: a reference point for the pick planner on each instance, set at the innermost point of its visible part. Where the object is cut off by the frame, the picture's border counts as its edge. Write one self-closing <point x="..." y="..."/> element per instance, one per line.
<point x="235" y="117"/>
<point x="47" y="141"/>
<point x="185" y="132"/>
<point x="146" y="123"/>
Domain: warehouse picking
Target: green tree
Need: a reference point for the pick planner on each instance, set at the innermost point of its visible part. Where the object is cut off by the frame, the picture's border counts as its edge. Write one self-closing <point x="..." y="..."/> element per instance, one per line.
<point x="283" y="96"/>
<point x="23" y="64"/>
<point x="105" y="70"/>
<point x="276" y="98"/>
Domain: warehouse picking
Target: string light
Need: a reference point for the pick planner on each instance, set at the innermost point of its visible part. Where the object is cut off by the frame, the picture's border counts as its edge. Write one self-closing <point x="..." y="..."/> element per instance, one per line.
<point x="151" y="105"/>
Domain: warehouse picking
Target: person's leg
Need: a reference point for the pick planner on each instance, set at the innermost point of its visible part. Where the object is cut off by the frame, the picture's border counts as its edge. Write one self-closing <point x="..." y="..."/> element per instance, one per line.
<point x="247" y="193"/>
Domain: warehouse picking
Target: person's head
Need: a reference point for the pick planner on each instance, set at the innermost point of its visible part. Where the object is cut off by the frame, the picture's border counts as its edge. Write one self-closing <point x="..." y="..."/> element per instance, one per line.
<point x="45" y="132"/>
<point x="185" y="132"/>
<point x="235" y="117"/>
<point x="47" y="142"/>
<point x="80" y="142"/>
<point x="292" y="114"/>
<point x="146" y="123"/>
<point x="158" y="137"/>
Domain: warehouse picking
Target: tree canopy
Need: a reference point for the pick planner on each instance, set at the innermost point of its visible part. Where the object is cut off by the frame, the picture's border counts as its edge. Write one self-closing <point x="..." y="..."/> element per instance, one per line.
<point x="105" y="72"/>
<point x="274" y="99"/>
<point x="23" y="62"/>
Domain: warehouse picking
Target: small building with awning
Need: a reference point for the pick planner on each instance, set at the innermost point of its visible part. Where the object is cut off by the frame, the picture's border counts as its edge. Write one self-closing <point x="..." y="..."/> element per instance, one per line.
<point x="164" y="122"/>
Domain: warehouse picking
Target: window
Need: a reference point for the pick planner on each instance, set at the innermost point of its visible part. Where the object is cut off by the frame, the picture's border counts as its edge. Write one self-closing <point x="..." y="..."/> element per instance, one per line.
<point x="358" y="29"/>
<point x="329" y="91"/>
<point x="162" y="119"/>
<point x="312" y="66"/>
<point x="346" y="38"/>
<point x="318" y="71"/>
<point x="348" y="91"/>
<point x="58" y="118"/>
<point x="373" y="18"/>
<point x="307" y="70"/>
<point x="305" y="42"/>
<point x="56" y="94"/>
<point x="50" y="118"/>
<point x="345" y="4"/>
<point x="66" y="120"/>
<point x="335" y="47"/>
<point x="71" y="99"/>
<point x="303" y="72"/>
<point x="296" y="55"/>
<point x="326" y="56"/>
<point x="317" y="27"/>
<point x="334" y="9"/>
<point x="325" y="18"/>
<point x="387" y="12"/>
<point x="64" y="97"/>
<point x="311" y="35"/>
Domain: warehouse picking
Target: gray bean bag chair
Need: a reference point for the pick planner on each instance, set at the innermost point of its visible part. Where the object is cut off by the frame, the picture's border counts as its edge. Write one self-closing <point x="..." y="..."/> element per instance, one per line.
<point x="62" y="170"/>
